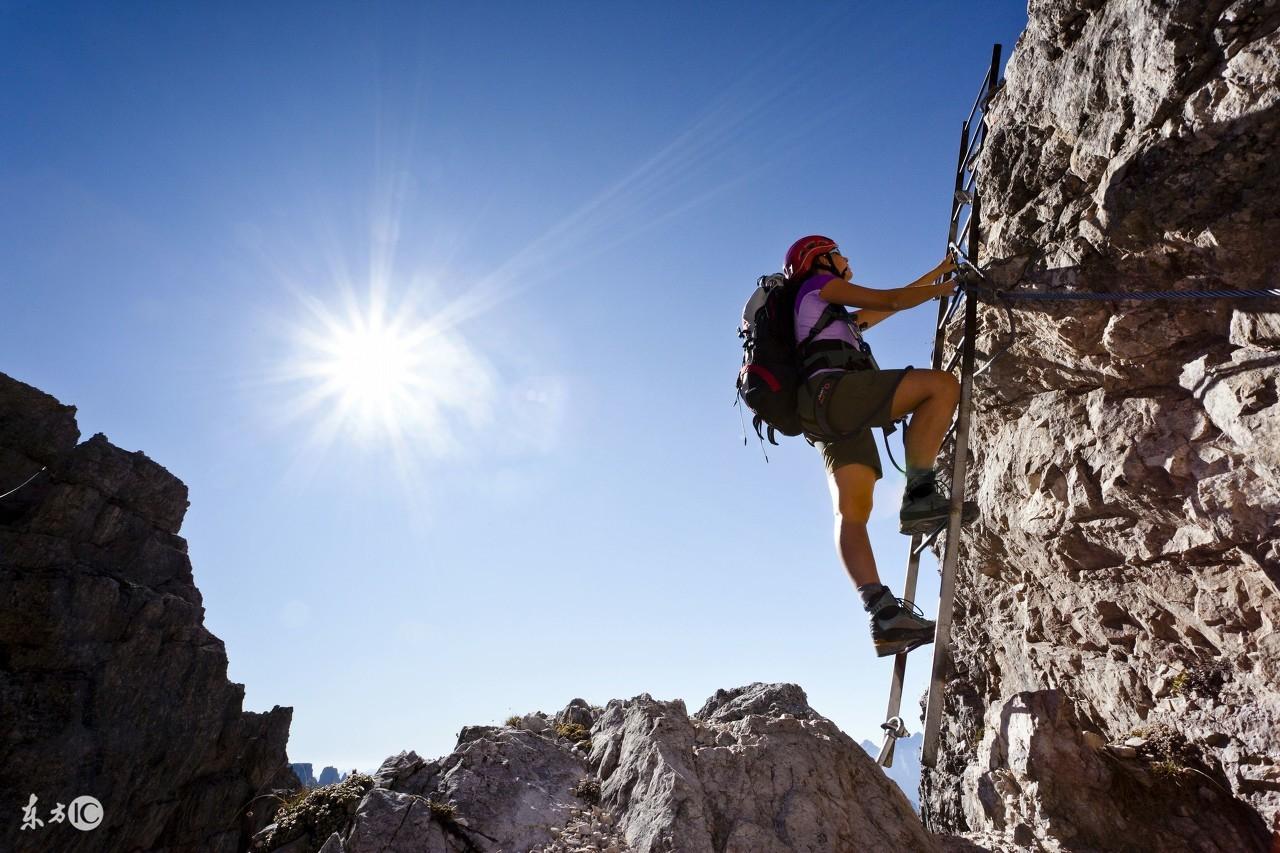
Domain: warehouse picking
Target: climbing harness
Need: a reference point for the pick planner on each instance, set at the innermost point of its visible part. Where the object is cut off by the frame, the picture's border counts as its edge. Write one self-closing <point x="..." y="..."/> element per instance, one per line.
<point x="975" y="287"/>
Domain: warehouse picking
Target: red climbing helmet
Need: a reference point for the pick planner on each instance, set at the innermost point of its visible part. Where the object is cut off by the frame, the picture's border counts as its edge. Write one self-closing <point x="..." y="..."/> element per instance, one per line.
<point x="804" y="252"/>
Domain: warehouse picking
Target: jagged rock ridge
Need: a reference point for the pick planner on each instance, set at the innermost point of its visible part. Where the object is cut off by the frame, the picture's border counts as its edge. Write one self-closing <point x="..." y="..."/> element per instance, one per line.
<point x="1116" y="680"/>
<point x="110" y="686"/>
<point x="306" y="774"/>
<point x="755" y="770"/>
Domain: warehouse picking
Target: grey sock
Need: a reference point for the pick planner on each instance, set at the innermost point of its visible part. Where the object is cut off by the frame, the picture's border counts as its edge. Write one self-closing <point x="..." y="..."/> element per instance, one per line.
<point x="878" y="599"/>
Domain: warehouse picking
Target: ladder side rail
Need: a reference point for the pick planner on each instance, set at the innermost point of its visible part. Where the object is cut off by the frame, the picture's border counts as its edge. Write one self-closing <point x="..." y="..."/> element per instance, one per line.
<point x="946" y="596"/>
<point x="956" y="206"/>
<point x="894" y="710"/>
<point x="945" y="309"/>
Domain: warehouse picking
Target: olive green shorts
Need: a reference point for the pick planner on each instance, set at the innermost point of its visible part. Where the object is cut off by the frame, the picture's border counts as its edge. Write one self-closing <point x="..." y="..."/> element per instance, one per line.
<point x="860" y="400"/>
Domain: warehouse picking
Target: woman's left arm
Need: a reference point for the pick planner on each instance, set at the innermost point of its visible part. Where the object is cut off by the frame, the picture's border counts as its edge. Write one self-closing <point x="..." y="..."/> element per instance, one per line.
<point x="867" y="318"/>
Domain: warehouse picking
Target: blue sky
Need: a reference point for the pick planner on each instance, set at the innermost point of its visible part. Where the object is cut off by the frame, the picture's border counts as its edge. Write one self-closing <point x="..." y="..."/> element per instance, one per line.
<point x="568" y="204"/>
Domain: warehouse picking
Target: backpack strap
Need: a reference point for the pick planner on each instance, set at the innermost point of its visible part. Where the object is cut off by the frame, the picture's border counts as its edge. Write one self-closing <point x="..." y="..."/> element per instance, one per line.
<point x="830" y="314"/>
<point x="757" y="422"/>
<point x="840" y="355"/>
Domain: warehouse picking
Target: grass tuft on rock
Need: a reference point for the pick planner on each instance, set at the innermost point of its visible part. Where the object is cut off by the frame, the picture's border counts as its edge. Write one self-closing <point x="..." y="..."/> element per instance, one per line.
<point x="588" y="790"/>
<point x="445" y="813"/>
<point x="575" y="732"/>
<point x="1167" y="751"/>
<point x="1204" y="680"/>
<point x="316" y="813"/>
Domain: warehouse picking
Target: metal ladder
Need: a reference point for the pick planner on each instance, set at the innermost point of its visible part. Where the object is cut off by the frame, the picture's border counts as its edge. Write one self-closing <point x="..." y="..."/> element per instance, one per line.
<point x="973" y="135"/>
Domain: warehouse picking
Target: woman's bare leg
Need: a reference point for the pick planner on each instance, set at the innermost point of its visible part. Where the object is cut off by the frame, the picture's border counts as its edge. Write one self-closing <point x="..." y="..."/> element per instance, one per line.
<point x="930" y="397"/>
<point x="893" y="628"/>
<point x="851" y="494"/>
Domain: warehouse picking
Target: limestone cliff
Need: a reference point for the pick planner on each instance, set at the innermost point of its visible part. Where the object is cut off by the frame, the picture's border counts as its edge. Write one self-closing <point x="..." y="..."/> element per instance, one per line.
<point x="110" y="685"/>
<point x="1116" y="678"/>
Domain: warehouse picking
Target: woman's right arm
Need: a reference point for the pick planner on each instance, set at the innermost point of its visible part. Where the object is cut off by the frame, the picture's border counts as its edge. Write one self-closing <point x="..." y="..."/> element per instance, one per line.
<point x="842" y="292"/>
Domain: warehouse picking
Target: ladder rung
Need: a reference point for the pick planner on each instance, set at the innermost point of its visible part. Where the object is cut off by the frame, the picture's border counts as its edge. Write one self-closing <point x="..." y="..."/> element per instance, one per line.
<point x="951" y="310"/>
<point x="933" y="537"/>
<point x="964" y="232"/>
<point x="982" y="93"/>
<point x="974" y="148"/>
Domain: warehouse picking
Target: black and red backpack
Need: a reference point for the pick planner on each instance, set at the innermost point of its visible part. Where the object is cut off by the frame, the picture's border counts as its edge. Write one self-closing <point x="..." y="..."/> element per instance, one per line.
<point x="771" y="364"/>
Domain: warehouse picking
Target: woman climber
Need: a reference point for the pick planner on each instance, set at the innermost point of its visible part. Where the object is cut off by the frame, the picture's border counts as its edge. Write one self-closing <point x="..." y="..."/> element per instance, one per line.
<point x="845" y="394"/>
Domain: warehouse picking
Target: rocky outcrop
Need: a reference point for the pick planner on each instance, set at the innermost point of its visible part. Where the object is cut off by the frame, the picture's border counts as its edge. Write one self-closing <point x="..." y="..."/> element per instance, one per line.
<point x="110" y="686"/>
<point x="307" y="777"/>
<point x="1120" y="587"/>
<point x="756" y="770"/>
<point x="305" y="773"/>
<point x="330" y="776"/>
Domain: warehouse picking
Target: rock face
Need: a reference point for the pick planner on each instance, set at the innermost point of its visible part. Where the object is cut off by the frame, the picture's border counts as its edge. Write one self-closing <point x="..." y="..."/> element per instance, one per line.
<point x="110" y="686"/>
<point x="1120" y="587"/>
<point x="307" y="777"/>
<point x="305" y="773"/>
<point x="756" y="770"/>
<point x="330" y="775"/>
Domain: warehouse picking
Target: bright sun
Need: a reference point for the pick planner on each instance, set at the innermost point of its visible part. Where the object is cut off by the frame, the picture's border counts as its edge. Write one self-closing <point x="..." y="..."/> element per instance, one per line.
<point x="373" y="366"/>
<point x="378" y="371"/>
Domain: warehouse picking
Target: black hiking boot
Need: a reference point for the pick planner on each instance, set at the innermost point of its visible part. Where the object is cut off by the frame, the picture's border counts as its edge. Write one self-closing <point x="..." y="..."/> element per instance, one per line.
<point x="897" y="626"/>
<point x="925" y="508"/>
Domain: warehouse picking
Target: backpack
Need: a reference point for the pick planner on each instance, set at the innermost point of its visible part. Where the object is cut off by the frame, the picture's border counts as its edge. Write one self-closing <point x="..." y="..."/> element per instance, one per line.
<point x="771" y="369"/>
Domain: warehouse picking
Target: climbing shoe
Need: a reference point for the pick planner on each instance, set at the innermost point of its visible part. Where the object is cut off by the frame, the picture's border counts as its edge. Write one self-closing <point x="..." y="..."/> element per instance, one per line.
<point x="925" y="507"/>
<point x="897" y="625"/>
